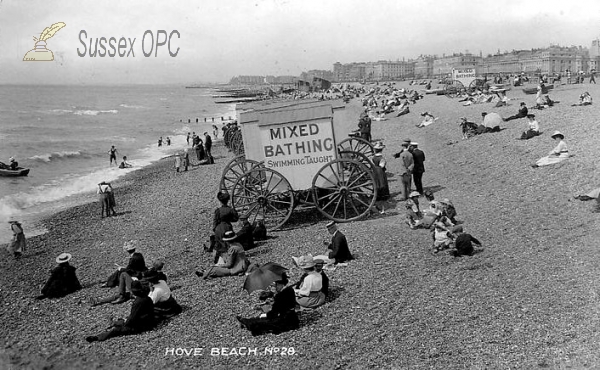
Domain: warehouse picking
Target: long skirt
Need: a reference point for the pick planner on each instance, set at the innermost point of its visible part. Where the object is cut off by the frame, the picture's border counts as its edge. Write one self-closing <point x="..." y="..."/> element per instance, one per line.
<point x="551" y="159"/>
<point x="314" y="300"/>
<point x="277" y="325"/>
<point x="17" y="244"/>
<point x="529" y="134"/>
<point x="381" y="182"/>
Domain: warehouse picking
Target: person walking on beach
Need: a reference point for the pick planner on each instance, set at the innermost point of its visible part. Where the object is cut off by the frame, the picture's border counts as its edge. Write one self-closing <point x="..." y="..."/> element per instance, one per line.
<point x="177" y="161"/>
<point x="186" y="159"/>
<point x="199" y="150"/>
<point x="208" y="146"/>
<point x="168" y="141"/>
<point x="419" y="166"/>
<point x="107" y="199"/>
<point x="160" y="141"/>
<point x="593" y="76"/>
<point x="112" y="155"/>
<point x="18" y="243"/>
<point x="188" y="138"/>
<point x="406" y="168"/>
<point x="215" y="131"/>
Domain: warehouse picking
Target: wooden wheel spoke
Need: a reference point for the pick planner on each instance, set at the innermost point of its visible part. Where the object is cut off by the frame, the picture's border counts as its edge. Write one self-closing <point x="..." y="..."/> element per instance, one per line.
<point x="359" y="200"/>
<point x="331" y="182"/>
<point x="355" y="209"/>
<point x="345" y="211"/>
<point x="356" y="179"/>
<point x="338" y="204"/>
<point x="327" y="196"/>
<point x="277" y="210"/>
<point x="274" y="187"/>
<point x="280" y="201"/>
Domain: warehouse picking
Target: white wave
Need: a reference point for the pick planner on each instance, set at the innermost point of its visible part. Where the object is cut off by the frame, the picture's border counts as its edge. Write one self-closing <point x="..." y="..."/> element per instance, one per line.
<point x="47" y="157"/>
<point x="61" y="111"/>
<point x="89" y="112"/>
<point x="131" y="106"/>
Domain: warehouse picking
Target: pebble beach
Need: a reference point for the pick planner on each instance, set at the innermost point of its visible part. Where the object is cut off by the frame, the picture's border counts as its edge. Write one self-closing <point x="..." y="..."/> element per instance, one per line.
<point x="529" y="300"/>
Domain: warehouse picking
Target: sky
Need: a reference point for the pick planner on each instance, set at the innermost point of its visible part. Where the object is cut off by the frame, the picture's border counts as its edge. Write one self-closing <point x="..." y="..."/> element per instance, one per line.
<point x="219" y="39"/>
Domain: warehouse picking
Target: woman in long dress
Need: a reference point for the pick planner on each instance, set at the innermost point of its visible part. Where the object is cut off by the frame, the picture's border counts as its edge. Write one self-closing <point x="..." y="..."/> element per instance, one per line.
<point x="18" y="242"/>
<point x="381" y="181"/>
<point x="558" y="154"/>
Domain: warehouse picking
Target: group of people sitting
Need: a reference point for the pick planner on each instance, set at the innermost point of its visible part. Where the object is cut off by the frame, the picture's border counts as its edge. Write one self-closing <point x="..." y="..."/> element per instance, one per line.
<point x="310" y="292"/>
<point x="584" y="99"/>
<point x="490" y="123"/>
<point x="439" y="217"/>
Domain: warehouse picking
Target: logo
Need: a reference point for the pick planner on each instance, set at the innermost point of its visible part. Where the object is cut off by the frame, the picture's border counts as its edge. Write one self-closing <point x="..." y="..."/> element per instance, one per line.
<point x="40" y="53"/>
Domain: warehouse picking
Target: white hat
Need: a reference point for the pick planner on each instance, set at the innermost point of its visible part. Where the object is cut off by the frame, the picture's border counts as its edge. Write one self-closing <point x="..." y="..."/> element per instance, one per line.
<point x="130" y="245"/>
<point x="306" y="262"/>
<point x="414" y="144"/>
<point x="229" y="236"/>
<point x="11" y="159"/>
<point x="414" y="194"/>
<point x="557" y="133"/>
<point x="379" y="146"/>
<point x="63" y="257"/>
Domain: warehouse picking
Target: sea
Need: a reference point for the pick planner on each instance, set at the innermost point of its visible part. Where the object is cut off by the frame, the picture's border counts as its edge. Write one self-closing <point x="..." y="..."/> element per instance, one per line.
<point x="63" y="135"/>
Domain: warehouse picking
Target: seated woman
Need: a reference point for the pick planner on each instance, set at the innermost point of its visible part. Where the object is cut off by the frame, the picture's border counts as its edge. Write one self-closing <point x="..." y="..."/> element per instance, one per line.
<point x="281" y="318"/>
<point x="319" y="264"/>
<point x="468" y="129"/>
<point x="140" y="319"/>
<point x="63" y="279"/>
<point x="533" y="128"/>
<point x="584" y="99"/>
<point x="558" y="154"/>
<point x="413" y="212"/>
<point x="403" y="108"/>
<point x="235" y="261"/>
<point x="165" y="305"/>
<point x="310" y="294"/>
<point x="442" y="237"/>
<point x="428" y="119"/>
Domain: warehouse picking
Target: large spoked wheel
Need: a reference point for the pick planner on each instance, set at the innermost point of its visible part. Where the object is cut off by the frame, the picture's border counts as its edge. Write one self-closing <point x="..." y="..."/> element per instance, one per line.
<point x="234" y="170"/>
<point x="355" y="144"/>
<point x="359" y="157"/>
<point x="453" y="88"/>
<point x="344" y="190"/>
<point x="477" y="85"/>
<point x="264" y="194"/>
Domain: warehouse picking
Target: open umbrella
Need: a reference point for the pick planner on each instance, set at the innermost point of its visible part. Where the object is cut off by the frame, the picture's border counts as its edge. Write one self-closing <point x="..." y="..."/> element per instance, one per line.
<point x="492" y="120"/>
<point x="264" y="276"/>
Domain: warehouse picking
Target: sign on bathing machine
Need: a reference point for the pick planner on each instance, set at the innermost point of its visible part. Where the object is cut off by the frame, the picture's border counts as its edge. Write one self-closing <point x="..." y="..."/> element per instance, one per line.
<point x="298" y="149"/>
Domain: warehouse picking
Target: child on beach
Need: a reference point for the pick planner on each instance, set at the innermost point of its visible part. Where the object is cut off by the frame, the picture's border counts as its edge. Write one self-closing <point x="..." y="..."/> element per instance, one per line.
<point x="18" y="242"/>
<point x="177" y="161"/>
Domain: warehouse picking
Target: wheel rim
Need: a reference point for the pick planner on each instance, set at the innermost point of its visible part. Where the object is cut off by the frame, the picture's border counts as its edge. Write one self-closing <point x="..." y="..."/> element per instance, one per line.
<point x="344" y="190"/>
<point x="262" y="193"/>
<point x="354" y="144"/>
<point x="234" y="170"/>
<point x="359" y="157"/>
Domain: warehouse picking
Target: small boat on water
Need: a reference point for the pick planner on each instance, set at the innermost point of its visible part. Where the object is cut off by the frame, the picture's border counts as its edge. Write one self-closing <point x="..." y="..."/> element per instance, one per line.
<point x="20" y="171"/>
<point x="533" y="90"/>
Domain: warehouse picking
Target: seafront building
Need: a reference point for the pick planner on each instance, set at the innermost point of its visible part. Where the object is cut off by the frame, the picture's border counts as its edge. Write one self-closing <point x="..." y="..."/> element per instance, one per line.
<point x="552" y="60"/>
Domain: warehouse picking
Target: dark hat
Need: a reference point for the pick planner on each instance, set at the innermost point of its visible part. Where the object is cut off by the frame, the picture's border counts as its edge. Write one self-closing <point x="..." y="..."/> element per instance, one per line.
<point x="522" y="103"/>
<point x="531" y="115"/>
<point x="484" y="113"/>
<point x="407" y="140"/>
<point x="229" y="236"/>
<point x="223" y="196"/>
<point x="151" y="276"/>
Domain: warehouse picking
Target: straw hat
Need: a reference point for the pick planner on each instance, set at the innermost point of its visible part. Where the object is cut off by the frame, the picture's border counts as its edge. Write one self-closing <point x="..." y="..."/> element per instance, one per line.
<point x="414" y="194"/>
<point x="557" y="133"/>
<point x="11" y="159"/>
<point x="412" y="143"/>
<point x="63" y="257"/>
<point x="130" y="245"/>
<point x="229" y="236"/>
<point x="306" y="262"/>
<point x="378" y="146"/>
<point x="331" y="224"/>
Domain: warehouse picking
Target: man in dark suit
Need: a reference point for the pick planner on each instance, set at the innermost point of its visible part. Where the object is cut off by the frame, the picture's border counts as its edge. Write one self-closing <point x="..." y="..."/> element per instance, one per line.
<point x="339" y="245"/>
<point x="419" y="166"/>
<point x="522" y="113"/>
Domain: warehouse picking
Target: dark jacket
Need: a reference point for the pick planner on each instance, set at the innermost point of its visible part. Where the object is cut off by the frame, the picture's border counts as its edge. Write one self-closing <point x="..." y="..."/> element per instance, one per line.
<point x="281" y="318"/>
<point x="224" y="214"/>
<point x="339" y="248"/>
<point x="419" y="159"/>
<point x="207" y="142"/>
<point x="245" y="236"/>
<point x="136" y="265"/>
<point x="464" y="244"/>
<point x="141" y="317"/>
<point x="62" y="281"/>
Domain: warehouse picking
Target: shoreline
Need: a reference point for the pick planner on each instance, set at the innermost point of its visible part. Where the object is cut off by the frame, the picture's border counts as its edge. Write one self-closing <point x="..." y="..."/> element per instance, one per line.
<point x="528" y="299"/>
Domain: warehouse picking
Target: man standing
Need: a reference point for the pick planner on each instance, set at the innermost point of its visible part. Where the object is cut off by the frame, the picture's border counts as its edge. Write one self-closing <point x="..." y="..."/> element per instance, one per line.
<point x="364" y="124"/>
<point x="208" y="146"/>
<point x="339" y="245"/>
<point x="419" y="166"/>
<point x="112" y="154"/>
<point x="593" y="76"/>
<point x="406" y="168"/>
